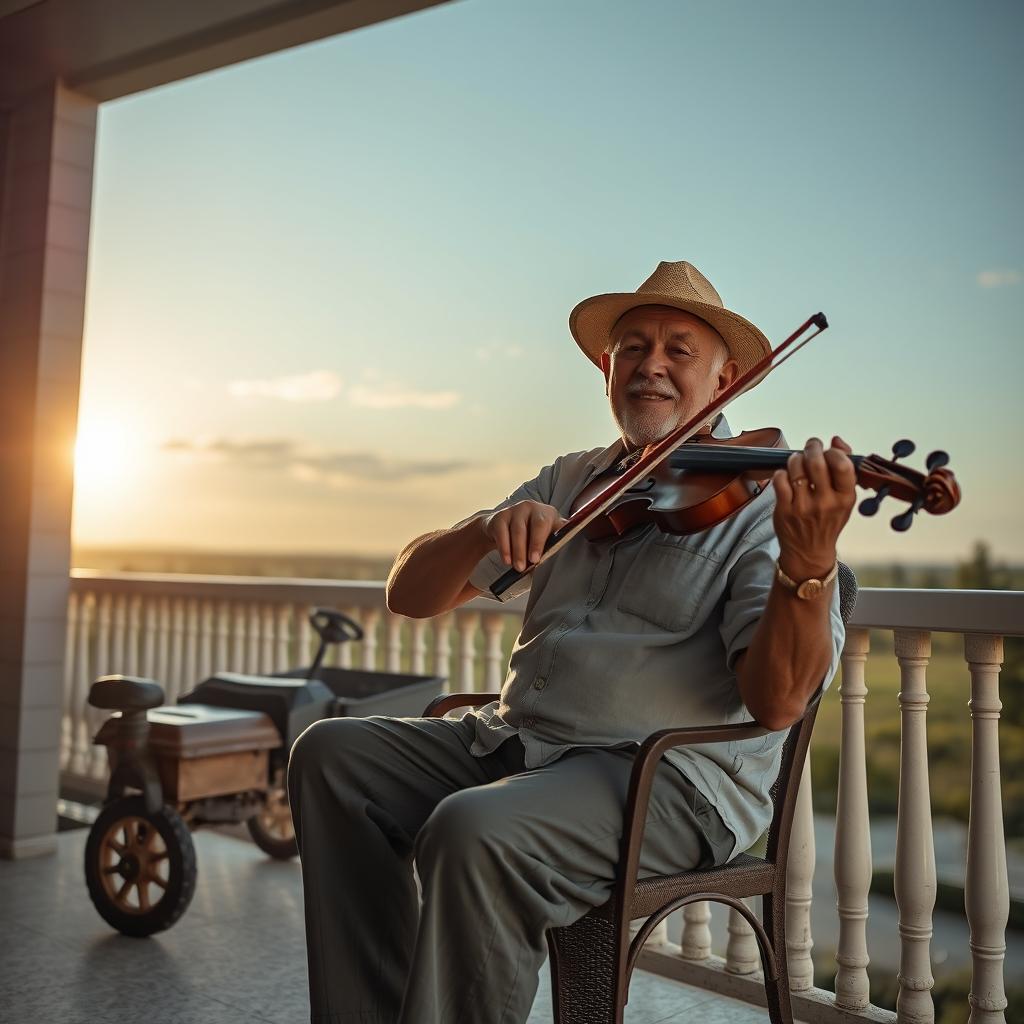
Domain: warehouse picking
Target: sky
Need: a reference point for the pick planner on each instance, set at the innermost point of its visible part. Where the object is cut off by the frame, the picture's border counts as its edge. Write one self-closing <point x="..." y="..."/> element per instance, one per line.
<point x="328" y="289"/>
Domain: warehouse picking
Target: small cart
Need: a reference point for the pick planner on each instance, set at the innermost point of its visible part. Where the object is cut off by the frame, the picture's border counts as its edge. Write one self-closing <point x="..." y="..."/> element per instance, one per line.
<point x="219" y="755"/>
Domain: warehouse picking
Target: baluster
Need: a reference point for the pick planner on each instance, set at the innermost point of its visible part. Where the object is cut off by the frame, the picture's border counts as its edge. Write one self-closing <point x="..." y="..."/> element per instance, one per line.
<point x="915" y="846"/>
<point x="176" y="668"/>
<point x="443" y="646"/>
<point x="252" y="641"/>
<point x="369" y="621"/>
<point x="80" y="740"/>
<point x="222" y="659"/>
<point x="987" y="893"/>
<point x="283" y="638"/>
<point x="119" y="617"/>
<point x="103" y="665"/>
<point x="494" y="661"/>
<point x="304" y="654"/>
<point x="266" y="661"/>
<point x="852" y="858"/>
<point x="206" y="627"/>
<point x="190" y="661"/>
<point x="696" y="939"/>
<point x="741" y="953"/>
<point x="71" y="653"/>
<point x="799" y="893"/>
<point x="150" y="666"/>
<point x="467" y="624"/>
<point x="132" y="662"/>
<point x="393" y="645"/>
<point x="419" y="647"/>
<point x="163" y="642"/>
<point x="341" y="654"/>
<point x="237" y="663"/>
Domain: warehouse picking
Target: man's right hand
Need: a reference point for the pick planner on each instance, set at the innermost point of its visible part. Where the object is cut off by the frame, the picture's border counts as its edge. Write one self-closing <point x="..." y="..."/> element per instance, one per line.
<point x="520" y="531"/>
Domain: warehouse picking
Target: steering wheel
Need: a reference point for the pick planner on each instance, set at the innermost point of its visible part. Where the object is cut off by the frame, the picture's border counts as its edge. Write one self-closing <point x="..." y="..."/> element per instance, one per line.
<point x="333" y="627"/>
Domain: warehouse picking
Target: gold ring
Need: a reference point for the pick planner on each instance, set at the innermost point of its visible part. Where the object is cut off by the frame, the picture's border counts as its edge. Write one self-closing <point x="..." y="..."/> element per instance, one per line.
<point x="799" y="480"/>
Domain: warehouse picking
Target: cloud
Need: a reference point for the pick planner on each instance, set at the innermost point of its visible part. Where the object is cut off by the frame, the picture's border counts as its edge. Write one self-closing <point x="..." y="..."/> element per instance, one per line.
<point x="335" y="468"/>
<point x="497" y="349"/>
<point x="316" y="386"/>
<point x="396" y="396"/>
<point x="999" y="278"/>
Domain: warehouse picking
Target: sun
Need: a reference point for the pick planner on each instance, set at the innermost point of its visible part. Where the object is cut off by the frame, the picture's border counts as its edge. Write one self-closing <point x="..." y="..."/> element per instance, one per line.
<point x="104" y="454"/>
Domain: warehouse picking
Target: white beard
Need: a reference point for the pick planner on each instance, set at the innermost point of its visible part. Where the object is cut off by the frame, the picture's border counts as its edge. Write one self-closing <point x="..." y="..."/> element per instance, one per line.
<point x="642" y="427"/>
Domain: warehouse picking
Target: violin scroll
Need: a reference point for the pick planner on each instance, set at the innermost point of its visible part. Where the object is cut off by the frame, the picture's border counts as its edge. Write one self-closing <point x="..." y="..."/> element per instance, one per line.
<point x="937" y="492"/>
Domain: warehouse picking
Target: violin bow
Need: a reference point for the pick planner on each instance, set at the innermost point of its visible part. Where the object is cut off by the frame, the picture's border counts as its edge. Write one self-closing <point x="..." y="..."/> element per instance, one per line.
<point x="656" y="453"/>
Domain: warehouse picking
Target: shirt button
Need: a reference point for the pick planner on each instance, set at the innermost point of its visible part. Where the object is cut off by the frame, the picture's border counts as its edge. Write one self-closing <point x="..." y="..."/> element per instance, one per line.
<point x="540" y="683"/>
<point x="529" y="721"/>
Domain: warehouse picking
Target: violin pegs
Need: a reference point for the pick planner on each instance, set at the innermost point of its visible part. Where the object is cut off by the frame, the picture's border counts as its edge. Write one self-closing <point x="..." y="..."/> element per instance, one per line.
<point x="869" y="506"/>
<point x="901" y="449"/>
<point x="936" y="460"/>
<point x="903" y="522"/>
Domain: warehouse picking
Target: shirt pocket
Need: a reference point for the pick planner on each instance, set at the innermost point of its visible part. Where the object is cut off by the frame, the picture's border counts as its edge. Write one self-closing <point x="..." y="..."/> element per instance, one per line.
<point x="667" y="584"/>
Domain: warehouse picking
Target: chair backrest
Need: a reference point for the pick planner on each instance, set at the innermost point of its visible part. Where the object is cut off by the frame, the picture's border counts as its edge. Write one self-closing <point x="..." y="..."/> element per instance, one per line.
<point x="794" y="748"/>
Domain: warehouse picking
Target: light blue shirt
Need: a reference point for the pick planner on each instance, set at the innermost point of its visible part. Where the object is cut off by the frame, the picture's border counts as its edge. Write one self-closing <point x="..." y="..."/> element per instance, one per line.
<point x="627" y="636"/>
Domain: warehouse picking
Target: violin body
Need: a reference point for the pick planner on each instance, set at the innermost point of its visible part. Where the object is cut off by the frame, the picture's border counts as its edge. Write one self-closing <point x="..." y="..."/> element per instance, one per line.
<point x="684" y="501"/>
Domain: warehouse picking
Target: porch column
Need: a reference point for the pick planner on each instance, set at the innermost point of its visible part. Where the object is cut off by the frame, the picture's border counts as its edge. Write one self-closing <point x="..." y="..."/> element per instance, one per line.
<point x="46" y="162"/>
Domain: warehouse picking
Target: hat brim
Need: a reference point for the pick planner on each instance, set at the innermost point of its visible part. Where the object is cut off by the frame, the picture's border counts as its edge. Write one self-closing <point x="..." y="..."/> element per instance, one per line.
<point x="592" y="320"/>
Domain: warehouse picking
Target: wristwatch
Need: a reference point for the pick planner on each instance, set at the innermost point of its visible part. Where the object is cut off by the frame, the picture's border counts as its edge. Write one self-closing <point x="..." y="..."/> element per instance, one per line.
<point x="808" y="588"/>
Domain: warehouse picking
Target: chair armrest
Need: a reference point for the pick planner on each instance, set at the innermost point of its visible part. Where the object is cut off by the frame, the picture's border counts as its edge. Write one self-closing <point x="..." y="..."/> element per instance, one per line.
<point x="642" y="778"/>
<point x="440" y="706"/>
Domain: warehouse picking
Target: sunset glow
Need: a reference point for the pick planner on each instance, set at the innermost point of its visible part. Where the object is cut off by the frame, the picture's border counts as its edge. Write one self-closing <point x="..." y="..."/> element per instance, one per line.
<point x="105" y="456"/>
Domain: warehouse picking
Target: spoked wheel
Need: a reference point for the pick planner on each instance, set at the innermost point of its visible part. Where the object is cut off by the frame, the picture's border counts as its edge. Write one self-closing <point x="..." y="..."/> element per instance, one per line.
<point x="272" y="829"/>
<point x="140" y="867"/>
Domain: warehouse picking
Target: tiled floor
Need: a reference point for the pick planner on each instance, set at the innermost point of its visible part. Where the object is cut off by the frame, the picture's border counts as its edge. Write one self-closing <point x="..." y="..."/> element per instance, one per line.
<point x="237" y="955"/>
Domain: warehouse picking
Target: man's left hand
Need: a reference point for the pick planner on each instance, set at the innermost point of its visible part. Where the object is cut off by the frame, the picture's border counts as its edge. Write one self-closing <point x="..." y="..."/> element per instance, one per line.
<point x="814" y="495"/>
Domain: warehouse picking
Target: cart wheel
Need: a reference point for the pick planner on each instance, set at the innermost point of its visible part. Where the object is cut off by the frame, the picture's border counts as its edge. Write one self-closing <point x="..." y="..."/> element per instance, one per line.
<point x="140" y="867"/>
<point x="272" y="829"/>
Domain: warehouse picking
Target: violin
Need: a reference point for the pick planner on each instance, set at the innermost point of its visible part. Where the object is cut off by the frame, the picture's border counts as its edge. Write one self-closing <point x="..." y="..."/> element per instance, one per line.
<point x="701" y="484"/>
<point x="694" y="486"/>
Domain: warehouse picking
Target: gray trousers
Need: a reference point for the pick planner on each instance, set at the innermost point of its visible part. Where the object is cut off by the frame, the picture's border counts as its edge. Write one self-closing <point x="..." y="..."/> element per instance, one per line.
<point x="502" y="854"/>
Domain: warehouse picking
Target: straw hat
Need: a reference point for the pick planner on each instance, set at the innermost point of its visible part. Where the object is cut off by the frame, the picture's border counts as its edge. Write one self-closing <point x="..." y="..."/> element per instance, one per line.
<point x="680" y="285"/>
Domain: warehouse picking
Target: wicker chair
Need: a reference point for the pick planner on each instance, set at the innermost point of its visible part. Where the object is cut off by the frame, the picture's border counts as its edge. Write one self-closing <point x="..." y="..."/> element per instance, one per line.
<point x="592" y="959"/>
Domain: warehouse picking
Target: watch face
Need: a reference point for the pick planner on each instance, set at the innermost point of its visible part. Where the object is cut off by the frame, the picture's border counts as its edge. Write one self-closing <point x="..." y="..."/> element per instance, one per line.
<point x="809" y="588"/>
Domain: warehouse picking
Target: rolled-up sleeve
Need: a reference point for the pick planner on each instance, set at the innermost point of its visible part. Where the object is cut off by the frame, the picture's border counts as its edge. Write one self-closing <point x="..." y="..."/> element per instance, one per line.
<point x="490" y="567"/>
<point x="750" y="583"/>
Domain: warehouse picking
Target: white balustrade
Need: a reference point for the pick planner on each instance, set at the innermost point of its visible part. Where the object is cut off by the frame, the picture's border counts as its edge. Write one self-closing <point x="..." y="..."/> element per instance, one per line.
<point x="799" y="876"/>
<point x="914" y="881"/>
<point x="468" y="622"/>
<point x="178" y="629"/>
<point x="419" y="647"/>
<point x="986" y="893"/>
<point x="495" y="660"/>
<point x="852" y="862"/>
<point x="741" y="953"/>
<point x="696" y="944"/>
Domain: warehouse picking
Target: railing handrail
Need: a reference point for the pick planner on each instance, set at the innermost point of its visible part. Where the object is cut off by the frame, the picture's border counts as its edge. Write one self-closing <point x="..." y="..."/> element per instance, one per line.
<point x="297" y="590"/>
<point x="992" y="612"/>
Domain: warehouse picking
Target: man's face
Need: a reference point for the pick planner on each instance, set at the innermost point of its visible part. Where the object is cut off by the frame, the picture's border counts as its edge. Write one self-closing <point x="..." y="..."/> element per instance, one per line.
<point x="663" y="365"/>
